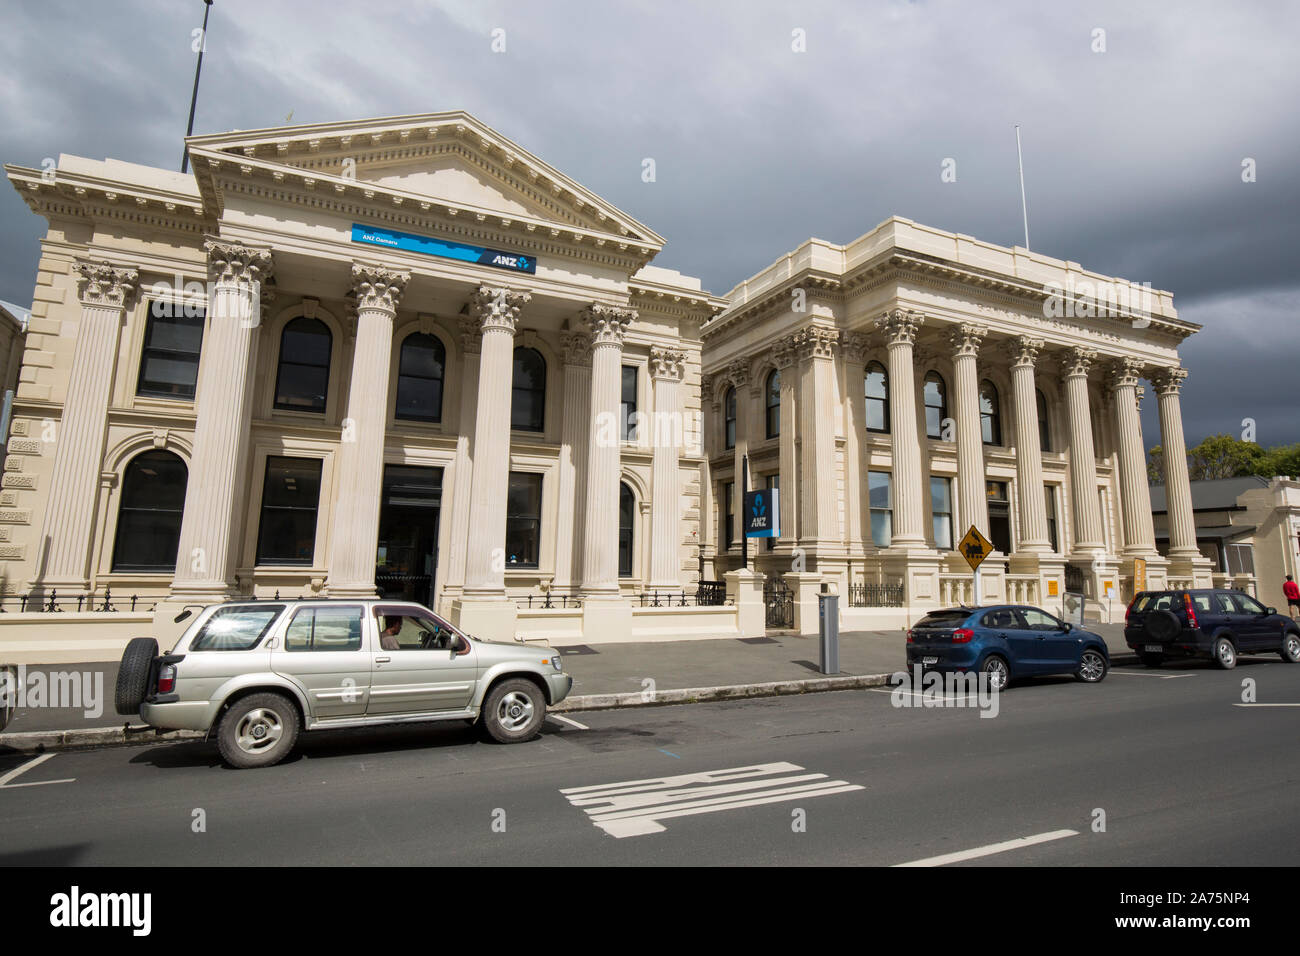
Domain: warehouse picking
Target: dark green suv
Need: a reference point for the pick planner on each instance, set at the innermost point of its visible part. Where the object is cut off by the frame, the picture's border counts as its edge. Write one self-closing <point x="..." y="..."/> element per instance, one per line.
<point x="1216" y="624"/>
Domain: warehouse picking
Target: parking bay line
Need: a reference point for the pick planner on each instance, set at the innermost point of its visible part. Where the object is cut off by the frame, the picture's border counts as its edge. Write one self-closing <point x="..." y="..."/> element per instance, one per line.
<point x="568" y="720"/>
<point x="992" y="849"/>
<point x="1257" y="704"/>
<point x="1145" y="674"/>
<point x="12" y="774"/>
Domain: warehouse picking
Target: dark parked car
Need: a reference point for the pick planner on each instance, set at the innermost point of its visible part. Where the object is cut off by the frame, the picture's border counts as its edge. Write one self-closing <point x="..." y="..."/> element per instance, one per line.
<point x="1212" y="623"/>
<point x="1005" y="642"/>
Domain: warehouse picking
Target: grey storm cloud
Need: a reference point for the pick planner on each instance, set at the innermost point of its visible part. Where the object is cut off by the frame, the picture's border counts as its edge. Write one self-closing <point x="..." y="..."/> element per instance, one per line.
<point x="1133" y="156"/>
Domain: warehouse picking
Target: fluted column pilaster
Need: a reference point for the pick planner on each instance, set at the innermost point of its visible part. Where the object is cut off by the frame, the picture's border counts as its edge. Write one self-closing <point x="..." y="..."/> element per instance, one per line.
<point x="607" y="325"/>
<point x="1083" y="461"/>
<point x="667" y="366"/>
<point x="1135" y="494"/>
<point x="1029" y="453"/>
<point x="1178" y="488"/>
<point x="900" y="327"/>
<point x="972" y="503"/>
<point x="574" y="438"/>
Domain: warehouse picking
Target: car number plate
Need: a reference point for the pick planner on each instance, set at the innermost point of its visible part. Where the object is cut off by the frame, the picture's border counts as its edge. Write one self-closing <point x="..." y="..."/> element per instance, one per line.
<point x="1157" y="648"/>
<point x="929" y="660"/>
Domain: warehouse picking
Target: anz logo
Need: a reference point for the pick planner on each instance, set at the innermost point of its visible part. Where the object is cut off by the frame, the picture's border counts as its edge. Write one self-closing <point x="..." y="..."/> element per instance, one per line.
<point x="521" y="263"/>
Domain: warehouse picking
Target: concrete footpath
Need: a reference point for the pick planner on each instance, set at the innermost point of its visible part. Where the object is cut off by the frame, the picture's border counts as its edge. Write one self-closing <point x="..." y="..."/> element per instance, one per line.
<point x="605" y="676"/>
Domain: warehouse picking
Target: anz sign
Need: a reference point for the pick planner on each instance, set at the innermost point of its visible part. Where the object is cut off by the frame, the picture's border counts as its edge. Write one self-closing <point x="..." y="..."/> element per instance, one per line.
<point x="443" y="248"/>
<point x="762" y="514"/>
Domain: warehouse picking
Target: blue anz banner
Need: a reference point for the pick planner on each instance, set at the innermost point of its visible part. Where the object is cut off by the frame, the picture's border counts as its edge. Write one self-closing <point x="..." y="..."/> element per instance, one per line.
<point x="762" y="517"/>
<point x="443" y="248"/>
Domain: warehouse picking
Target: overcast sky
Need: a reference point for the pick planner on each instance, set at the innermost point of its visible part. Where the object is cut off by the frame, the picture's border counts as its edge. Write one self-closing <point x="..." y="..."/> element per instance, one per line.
<point x="1133" y="156"/>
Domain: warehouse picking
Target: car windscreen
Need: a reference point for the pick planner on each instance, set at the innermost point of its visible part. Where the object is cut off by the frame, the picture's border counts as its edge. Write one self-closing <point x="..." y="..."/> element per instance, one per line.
<point x="236" y="628"/>
<point x="939" y="619"/>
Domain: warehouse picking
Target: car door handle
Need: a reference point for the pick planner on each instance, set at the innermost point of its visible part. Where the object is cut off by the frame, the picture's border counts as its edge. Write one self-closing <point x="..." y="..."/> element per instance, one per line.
<point x="382" y="660"/>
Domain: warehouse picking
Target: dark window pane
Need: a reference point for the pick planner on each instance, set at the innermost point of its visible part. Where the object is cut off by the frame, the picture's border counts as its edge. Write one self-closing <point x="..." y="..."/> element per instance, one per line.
<point x="149" y="518"/>
<point x="302" y="381"/>
<point x="290" y="497"/>
<point x="1044" y="430"/>
<point x="877" y="396"/>
<point x="729" y="410"/>
<point x="419" y="399"/>
<point x="774" y="405"/>
<point x="627" y="409"/>
<point x="169" y="361"/>
<point x="626" y="519"/>
<point x="523" y="519"/>
<point x="936" y="405"/>
<point x="528" y="391"/>
<point x="419" y="378"/>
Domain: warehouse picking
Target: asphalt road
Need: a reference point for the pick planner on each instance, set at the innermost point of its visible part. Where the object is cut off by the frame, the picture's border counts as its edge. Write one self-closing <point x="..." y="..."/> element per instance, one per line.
<point x="1183" y="774"/>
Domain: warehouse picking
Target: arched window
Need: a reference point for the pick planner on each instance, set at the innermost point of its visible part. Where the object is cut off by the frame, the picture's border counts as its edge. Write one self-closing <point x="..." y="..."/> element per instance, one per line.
<point x="774" y="404"/>
<point x="528" y="391"/>
<point x="990" y="418"/>
<point x="1044" y="427"/>
<point x="729" y="414"/>
<point x="303" y="379"/>
<point x="420" y="368"/>
<point x="877" y="392"/>
<point x="149" y="517"/>
<point x="936" y="404"/>
<point x="626" y="520"/>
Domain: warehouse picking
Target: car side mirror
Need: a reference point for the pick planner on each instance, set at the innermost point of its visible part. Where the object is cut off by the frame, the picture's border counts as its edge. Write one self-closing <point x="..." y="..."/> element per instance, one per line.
<point x="1067" y="627"/>
<point x="1271" y="610"/>
<point x="182" y="616"/>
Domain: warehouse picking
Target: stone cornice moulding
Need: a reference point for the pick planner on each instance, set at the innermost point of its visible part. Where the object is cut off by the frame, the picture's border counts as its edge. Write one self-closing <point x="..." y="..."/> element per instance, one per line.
<point x="104" y="285"/>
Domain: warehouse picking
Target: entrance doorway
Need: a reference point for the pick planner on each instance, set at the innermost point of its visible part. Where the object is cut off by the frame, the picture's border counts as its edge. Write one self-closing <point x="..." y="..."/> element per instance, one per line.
<point x="999" y="515"/>
<point x="406" y="559"/>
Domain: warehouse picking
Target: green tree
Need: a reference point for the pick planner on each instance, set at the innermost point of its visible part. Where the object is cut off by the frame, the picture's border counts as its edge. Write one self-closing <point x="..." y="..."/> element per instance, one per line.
<point x="1222" y="456"/>
<point x="1156" y="465"/>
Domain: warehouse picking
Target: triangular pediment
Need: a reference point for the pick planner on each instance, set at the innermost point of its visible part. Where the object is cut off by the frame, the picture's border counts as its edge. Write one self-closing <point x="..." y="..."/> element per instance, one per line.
<point x="445" y="158"/>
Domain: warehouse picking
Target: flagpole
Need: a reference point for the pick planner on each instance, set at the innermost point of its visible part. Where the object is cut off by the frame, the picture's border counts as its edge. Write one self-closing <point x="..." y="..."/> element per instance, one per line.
<point x="194" y="96"/>
<point x="1024" y="207"/>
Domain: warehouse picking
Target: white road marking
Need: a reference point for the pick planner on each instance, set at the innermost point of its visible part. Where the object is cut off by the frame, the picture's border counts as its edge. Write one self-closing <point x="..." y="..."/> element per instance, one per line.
<point x="1266" y="705"/>
<point x="992" y="848"/>
<point x="921" y="694"/>
<point x="567" y="720"/>
<point x="12" y="774"/>
<point x="635" y="807"/>
<point x="1145" y="674"/>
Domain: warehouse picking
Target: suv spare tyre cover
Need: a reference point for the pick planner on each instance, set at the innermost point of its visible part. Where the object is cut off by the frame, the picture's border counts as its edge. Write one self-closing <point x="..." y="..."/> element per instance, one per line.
<point x="133" y="674"/>
<point x="1162" y="625"/>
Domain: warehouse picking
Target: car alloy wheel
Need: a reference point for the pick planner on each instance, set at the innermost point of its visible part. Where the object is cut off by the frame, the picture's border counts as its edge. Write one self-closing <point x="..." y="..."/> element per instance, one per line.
<point x="1291" y="648"/>
<point x="1092" y="667"/>
<point x="995" y="668"/>
<point x="515" y="711"/>
<point x="1225" y="655"/>
<point x="259" y="730"/>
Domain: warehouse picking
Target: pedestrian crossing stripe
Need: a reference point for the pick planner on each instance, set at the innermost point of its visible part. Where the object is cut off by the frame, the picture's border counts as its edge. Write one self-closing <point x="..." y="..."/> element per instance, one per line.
<point x="637" y="807"/>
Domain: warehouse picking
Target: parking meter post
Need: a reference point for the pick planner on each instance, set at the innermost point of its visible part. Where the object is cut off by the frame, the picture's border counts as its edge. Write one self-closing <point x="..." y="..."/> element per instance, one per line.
<point x="828" y="620"/>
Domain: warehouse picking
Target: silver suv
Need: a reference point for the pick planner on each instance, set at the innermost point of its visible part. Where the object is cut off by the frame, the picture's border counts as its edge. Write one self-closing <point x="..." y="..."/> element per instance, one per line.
<point x="253" y="674"/>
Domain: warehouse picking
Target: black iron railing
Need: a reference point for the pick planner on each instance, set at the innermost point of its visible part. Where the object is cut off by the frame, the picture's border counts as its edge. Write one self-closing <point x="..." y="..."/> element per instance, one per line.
<point x="876" y="595"/>
<point x="53" y="603"/>
<point x="703" y="597"/>
<point x="551" y="599"/>
<point x="778" y="600"/>
<point x="711" y="593"/>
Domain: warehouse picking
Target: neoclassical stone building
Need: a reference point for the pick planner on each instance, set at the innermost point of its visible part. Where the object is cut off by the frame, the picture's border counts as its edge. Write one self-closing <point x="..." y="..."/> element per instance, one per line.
<point x="914" y="382"/>
<point x="399" y="353"/>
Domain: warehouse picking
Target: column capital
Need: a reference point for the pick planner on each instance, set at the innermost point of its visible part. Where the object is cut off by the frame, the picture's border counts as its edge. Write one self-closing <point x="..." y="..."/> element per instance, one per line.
<point x="230" y="263"/>
<point x="737" y="373"/>
<point x="1077" y="361"/>
<point x="966" y="339"/>
<point x="577" y="348"/>
<point x="783" y="352"/>
<point x="667" y="364"/>
<point x="102" y="284"/>
<point x="854" y="346"/>
<point x="816" y="341"/>
<point x="1168" y="381"/>
<point x="1123" y="373"/>
<point x="496" y="308"/>
<point x="900" y="326"/>
<point x="1023" y="350"/>
<point x="608" y="323"/>
<point x="378" y="288"/>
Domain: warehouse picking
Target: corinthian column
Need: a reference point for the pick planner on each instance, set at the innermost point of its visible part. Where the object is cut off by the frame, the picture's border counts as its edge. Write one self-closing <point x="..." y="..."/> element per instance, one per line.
<point x="223" y="397"/>
<point x="972" y="503"/>
<point x="738" y="373"/>
<point x="105" y="291"/>
<point x="600" y="542"/>
<point x="361" y="453"/>
<point x="784" y="355"/>
<point x="496" y="311"/>
<point x="666" y="369"/>
<point x="1168" y="383"/>
<point x="819" y="530"/>
<point x="1083" y="461"/>
<point x="853" y="346"/>
<point x="1029" y="452"/>
<point x="1135" y="495"/>
<point x="574" y="435"/>
<point x="462" y="475"/>
<point x="900" y="327"/>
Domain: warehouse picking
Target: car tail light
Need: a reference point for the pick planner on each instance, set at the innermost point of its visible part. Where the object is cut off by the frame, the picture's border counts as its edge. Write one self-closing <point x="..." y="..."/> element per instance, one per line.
<point x="909" y="637"/>
<point x="1128" y="612"/>
<point x="1191" y="611"/>
<point x="963" y="635"/>
<point x="166" y="678"/>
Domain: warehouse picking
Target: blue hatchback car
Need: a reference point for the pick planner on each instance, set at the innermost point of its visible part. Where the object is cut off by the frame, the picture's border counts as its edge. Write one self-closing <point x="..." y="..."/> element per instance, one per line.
<point x="1006" y="642"/>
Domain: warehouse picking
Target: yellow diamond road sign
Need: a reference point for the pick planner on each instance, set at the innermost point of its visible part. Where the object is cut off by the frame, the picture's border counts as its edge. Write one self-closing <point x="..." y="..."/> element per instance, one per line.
<point x="975" y="548"/>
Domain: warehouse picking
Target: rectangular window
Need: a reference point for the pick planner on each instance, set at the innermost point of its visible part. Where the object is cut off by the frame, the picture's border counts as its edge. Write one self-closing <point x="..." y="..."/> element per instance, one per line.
<point x="169" y="362"/>
<point x="880" y="500"/>
<point x="627" y="409"/>
<point x="524" y="520"/>
<point x="325" y="629"/>
<point x="728" y="492"/>
<point x="941" y="510"/>
<point x="290" y="497"/>
<point x="1049" y="496"/>
<point x="236" y="628"/>
<point x="1241" y="559"/>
